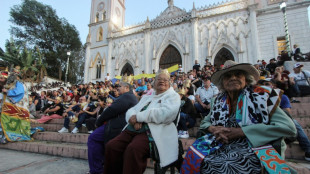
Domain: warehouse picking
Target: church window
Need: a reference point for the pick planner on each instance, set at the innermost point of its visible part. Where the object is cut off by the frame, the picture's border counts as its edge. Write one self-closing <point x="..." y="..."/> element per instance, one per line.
<point x="97" y="17"/>
<point x="100" y="34"/>
<point x="98" y="70"/>
<point x="104" y="15"/>
<point x="281" y="43"/>
<point x="171" y="56"/>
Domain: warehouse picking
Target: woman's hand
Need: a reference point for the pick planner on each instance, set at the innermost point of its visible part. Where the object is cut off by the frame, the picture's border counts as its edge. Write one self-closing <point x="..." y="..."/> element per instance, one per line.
<point x="138" y="126"/>
<point x="226" y="134"/>
<point x="133" y="120"/>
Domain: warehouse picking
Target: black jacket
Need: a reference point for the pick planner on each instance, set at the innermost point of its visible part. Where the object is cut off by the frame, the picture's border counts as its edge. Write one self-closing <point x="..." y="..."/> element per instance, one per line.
<point x="189" y="108"/>
<point x="114" y="115"/>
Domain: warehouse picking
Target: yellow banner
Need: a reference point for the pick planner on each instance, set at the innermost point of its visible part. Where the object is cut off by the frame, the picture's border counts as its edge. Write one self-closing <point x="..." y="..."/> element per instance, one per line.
<point x="139" y="76"/>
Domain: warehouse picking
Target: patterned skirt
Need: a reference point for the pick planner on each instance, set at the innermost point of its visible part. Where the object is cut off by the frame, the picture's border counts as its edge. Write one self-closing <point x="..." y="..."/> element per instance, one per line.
<point x="235" y="157"/>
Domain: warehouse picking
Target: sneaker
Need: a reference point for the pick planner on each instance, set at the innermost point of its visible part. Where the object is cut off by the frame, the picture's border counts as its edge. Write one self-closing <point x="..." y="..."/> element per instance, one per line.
<point x="180" y="133"/>
<point x="307" y="156"/>
<point x="63" y="130"/>
<point x="90" y="132"/>
<point x="295" y="101"/>
<point x="184" y="135"/>
<point x="75" y="130"/>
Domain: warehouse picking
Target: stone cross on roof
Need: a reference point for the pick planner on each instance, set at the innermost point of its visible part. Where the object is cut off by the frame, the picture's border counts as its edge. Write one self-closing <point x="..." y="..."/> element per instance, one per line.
<point x="170" y="3"/>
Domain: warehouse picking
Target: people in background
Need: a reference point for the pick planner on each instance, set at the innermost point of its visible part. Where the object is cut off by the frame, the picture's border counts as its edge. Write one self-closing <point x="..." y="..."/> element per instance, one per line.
<point x="240" y="119"/>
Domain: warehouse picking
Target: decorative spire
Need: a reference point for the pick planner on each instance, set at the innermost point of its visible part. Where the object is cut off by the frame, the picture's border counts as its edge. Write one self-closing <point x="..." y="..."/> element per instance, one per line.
<point x="194" y="6"/>
<point x="170" y="3"/>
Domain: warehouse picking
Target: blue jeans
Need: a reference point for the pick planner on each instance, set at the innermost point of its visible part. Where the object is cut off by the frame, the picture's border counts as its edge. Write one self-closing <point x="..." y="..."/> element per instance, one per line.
<point x="186" y="118"/>
<point x="302" y="138"/>
<point x="81" y="119"/>
<point x="201" y="110"/>
<point x="67" y="120"/>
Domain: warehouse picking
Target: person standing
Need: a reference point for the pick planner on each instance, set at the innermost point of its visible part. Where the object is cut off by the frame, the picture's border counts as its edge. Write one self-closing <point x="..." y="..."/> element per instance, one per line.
<point x="296" y="53"/>
<point x="196" y="66"/>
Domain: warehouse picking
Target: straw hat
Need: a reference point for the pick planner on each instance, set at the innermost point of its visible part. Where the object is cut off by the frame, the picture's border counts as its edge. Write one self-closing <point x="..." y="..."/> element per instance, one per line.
<point x="230" y="65"/>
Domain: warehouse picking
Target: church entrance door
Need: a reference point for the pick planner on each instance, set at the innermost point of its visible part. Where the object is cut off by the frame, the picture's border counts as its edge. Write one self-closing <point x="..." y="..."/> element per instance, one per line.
<point x="221" y="57"/>
<point x="170" y="57"/>
<point x="127" y="69"/>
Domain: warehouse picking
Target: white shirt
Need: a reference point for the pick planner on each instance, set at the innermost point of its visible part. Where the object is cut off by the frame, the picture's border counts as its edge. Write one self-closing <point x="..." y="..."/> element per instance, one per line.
<point x="299" y="78"/>
<point x="207" y="94"/>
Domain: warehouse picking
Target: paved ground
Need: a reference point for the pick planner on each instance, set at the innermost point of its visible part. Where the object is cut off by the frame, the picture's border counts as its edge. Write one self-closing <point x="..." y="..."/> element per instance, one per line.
<point x="16" y="162"/>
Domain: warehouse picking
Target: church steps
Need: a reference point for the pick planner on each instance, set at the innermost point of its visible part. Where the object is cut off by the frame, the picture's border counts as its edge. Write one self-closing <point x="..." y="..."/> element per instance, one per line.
<point x="62" y="137"/>
<point x="74" y="145"/>
<point x="72" y="150"/>
<point x="57" y="127"/>
<point x="304" y="122"/>
<point x="302" y="100"/>
<point x="294" y="151"/>
<point x="301" y="166"/>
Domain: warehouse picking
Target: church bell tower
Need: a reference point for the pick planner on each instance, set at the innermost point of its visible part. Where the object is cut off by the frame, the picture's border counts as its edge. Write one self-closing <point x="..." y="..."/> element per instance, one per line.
<point x="105" y="16"/>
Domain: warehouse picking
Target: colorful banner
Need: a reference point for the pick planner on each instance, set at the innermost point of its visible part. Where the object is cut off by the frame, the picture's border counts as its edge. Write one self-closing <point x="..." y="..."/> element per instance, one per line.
<point x="172" y="70"/>
<point x="15" y="122"/>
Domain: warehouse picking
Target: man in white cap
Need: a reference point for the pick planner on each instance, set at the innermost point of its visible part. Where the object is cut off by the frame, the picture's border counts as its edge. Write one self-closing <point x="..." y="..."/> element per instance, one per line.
<point x="300" y="80"/>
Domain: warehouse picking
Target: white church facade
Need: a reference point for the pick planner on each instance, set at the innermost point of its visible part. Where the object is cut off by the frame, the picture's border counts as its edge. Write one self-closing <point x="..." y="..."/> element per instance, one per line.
<point x="239" y="30"/>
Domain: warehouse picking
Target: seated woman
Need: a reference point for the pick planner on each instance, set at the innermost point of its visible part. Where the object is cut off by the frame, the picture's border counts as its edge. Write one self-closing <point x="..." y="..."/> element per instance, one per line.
<point x="188" y="115"/>
<point x="53" y="112"/>
<point x="150" y="120"/>
<point x="243" y="117"/>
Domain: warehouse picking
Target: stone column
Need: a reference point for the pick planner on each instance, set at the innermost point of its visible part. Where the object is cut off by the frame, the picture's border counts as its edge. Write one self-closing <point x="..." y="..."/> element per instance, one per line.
<point x="109" y="68"/>
<point x="147" y="48"/>
<point x="194" y="41"/>
<point x="86" y="65"/>
<point x="254" y="48"/>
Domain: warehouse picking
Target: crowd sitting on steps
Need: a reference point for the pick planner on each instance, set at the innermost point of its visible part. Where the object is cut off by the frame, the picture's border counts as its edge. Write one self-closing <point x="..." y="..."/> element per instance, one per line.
<point x="94" y="105"/>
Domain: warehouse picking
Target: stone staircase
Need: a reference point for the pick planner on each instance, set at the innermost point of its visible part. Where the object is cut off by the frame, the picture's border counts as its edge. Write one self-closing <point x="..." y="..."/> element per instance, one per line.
<point x="75" y="145"/>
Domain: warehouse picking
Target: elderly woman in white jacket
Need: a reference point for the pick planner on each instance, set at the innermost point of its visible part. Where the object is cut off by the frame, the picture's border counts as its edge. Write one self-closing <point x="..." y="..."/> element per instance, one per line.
<point x="150" y="120"/>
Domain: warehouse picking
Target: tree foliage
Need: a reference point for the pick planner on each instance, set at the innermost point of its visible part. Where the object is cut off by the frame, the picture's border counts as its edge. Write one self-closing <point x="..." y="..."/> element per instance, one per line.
<point x="38" y="25"/>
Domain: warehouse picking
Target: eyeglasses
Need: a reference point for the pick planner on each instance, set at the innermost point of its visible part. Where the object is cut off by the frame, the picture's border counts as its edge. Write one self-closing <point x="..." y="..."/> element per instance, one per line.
<point x="233" y="73"/>
<point x="163" y="80"/>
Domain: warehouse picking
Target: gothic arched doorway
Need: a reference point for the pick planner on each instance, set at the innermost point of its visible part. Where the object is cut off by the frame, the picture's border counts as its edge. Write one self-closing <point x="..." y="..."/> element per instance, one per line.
<point x="127" y="69"/>
<point x="170" y="57"/>
<point x="221" y="57"/>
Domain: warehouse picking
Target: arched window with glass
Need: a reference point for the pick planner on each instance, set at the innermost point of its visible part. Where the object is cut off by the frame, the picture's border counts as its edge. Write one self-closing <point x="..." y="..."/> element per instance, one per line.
<point x="98" y="70"/>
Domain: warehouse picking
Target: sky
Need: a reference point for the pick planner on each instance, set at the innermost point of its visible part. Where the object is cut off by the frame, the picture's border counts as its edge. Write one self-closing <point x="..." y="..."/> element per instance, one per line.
<point x="77" y="12"/>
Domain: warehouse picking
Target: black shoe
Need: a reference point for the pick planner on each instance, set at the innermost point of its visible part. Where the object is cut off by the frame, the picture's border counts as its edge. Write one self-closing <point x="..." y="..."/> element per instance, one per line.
<point x="307" y="156"/>
<point x="295" y="101"/>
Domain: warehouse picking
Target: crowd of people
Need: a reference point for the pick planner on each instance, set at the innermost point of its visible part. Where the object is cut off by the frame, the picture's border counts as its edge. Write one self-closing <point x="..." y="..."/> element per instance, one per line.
<point x="238" y="105"/>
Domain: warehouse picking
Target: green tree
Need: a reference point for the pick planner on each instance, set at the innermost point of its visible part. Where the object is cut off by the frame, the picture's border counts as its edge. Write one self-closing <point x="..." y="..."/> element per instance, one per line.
<point x="38" y="25"/>
<point x="22" y="56"/>
<point x="12" y="53"/>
